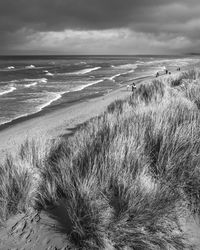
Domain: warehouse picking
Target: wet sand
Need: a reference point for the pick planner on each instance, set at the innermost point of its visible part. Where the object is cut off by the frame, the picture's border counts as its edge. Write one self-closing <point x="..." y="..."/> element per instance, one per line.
<point x="33" y="232"/>
<point x="51" y="125"/>
<point x="61" y="121"/>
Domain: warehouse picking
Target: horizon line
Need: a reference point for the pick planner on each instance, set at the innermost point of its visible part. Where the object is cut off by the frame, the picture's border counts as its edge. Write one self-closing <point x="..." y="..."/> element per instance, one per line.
<point x="181" y="54"/>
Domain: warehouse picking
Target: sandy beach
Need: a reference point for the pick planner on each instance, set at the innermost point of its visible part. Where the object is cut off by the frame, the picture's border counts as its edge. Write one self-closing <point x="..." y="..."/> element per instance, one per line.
<point x="50" y="123"/>
<point x="63" y="121"/>
<point x="99" y="125"/>
<point x="59" y="122"/>
<point x="26" y="229"/>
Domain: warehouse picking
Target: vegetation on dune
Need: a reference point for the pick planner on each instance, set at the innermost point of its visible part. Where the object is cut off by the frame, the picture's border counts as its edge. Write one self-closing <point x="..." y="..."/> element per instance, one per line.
<point x="125" y="178"/>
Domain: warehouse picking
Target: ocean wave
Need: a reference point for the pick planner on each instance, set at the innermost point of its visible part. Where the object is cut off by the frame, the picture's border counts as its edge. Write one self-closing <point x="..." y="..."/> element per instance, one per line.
<point x="30" y="66"/>
<point x="55" y="97"/>
<point x="125" y="66"/>
<point x="39" y="80"/>
<point x="30" y="85"/>
<point x="121" y="74"/>
<point x="4" y="92"/>
<point x="16" y="118"/>
<point x="49" y="74"/>
<point x="80" y="63"/>
<point x="113" y="77"/>
<point x="81" y="87"/>
<point x="80" y="72"/>
<point x="10" y="67"/>
<point x="43" y="80"/>
<point x="51" y="98"/>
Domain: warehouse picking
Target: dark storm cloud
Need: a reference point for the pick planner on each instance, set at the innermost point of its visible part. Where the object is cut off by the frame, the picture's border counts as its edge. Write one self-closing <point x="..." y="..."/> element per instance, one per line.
<point x="19" y="18"/>
<point x="61" y="14"/>
<point x="88" y="14"/>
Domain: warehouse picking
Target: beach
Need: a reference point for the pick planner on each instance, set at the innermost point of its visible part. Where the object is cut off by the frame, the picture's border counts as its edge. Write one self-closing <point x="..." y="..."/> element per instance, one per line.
<point x="62" y="121"/>
<point x="99" y="125"/>
<point x="113" y="137"/>
<point x="57" y="123"/>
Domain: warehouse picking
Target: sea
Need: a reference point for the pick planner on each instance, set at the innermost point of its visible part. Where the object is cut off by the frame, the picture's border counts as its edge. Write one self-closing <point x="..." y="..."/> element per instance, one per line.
<point x="30" y="85"/>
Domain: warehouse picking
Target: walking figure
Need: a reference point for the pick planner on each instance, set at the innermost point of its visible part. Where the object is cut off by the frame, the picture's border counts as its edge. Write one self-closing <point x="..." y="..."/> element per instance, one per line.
<point x="157" y="74"/>
<point x="133" y="86"/>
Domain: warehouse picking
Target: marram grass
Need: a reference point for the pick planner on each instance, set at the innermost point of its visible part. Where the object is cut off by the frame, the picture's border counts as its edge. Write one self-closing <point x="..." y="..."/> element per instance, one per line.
<point x="125" y="178"/>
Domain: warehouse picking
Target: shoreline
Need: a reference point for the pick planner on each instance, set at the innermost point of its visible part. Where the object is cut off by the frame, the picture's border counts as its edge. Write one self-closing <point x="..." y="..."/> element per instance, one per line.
<point x="60" y="121"/>
<point x="56" y="107"/>
<point x="57" y="121"/>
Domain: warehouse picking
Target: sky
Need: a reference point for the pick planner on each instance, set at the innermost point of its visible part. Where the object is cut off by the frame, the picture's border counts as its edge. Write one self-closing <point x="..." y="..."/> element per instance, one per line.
<point x="99" y="27"/>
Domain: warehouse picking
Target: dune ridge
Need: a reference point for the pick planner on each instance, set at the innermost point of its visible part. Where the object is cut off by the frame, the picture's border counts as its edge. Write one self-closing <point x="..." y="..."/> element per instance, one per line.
<point x="127" y="179"/>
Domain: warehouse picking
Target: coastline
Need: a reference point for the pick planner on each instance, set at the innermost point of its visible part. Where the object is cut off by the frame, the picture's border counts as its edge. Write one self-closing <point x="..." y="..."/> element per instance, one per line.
<point x="56" y="107"/>
<point x="55" y="121"/>
<point x="61" y="121"/>
<point x="64" y="122"/>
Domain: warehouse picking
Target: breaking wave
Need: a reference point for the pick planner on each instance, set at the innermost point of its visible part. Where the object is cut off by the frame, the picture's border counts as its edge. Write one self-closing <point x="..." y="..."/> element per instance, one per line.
<point x="30" y="66"/>
<point x="125" y="66"/>
<point x="30" y="85"/>
<point x="112" y="78"/>
<point x="4" y="92"/>
<point x="10" y="67"/>
<point x="81" y="87"/>
<point x="80" y="72"/>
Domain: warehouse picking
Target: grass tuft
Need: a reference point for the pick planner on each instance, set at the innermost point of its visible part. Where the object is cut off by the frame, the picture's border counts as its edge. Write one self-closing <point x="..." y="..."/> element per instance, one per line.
<point x="124" y="179"/>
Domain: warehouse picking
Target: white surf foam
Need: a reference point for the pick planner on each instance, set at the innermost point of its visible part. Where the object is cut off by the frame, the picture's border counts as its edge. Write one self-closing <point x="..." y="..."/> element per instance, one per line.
<point x="126" y="66"/>
<point x="112" y="78"/>
<point x="80" y="63"/>
<point x="81" y="87"/>
<point x="30" y="85"/>
<point x="43" y="80"/>
<point x="39" y="80"/>
<point x="30" y="66"/>
<point x="54" y="97"/>
<point x="49" y="74"/>
<point x="4" y="92"/>
<point x="10" y="67"/>
<point x="80" y="72"/>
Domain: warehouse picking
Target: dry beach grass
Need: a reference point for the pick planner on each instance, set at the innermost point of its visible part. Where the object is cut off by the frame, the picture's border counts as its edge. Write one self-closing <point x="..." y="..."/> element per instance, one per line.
<point x="124" y="180"/>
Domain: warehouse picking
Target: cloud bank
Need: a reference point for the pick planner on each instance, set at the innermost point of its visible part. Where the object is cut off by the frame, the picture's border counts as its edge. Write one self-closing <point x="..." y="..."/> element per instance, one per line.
<point x="99" y="26"/>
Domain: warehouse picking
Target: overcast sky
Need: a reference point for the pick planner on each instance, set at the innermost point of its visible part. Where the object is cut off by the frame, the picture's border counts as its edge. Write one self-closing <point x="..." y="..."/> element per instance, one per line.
<point x="99" y="26"/>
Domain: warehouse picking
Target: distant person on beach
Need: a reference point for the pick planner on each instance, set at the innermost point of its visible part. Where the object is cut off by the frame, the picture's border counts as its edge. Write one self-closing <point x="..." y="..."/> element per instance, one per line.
<point x="157" y="74"/>
<point x="133" y="86"/>
<point x="166" y="71"/>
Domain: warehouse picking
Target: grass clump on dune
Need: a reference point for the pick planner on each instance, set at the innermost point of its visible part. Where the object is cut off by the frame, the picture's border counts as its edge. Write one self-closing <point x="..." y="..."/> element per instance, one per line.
<point x="125" y="179"/>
